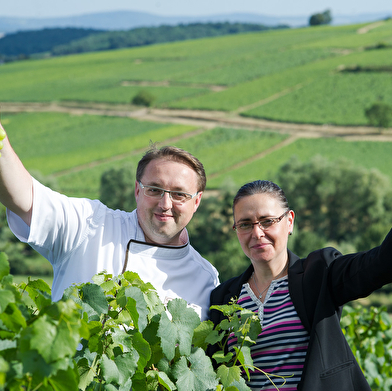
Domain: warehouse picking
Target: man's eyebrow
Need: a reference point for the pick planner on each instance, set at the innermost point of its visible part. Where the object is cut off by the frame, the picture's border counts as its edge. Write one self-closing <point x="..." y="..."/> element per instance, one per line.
<point x="154" y="184"/>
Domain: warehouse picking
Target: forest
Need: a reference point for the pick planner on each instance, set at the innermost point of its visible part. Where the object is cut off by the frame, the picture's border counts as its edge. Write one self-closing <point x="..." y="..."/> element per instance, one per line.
<point x="61" y="41"/>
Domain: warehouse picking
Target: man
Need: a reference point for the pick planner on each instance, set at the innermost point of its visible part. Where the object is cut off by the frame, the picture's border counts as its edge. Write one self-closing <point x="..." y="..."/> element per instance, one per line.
<point x="82" y="237"/>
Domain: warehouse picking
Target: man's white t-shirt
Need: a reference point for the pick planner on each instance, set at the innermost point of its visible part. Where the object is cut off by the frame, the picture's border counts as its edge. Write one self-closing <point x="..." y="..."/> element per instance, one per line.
<point x="82" y="237"/>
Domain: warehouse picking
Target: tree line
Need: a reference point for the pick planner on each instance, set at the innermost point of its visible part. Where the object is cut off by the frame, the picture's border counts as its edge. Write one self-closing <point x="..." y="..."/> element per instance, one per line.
<point x="336" y="203"/>
<point x="62" y="41"/>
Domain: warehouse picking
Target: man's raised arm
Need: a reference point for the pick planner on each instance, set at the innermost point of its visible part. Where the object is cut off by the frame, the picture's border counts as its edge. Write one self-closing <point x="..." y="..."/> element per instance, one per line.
<point x="16" y="184"/>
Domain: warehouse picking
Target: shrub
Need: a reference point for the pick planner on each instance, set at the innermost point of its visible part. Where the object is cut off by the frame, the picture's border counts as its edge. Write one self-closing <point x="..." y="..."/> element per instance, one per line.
<point x="143" y="98"/>
<point x="369" y="334"/>
<point x="380" y="115"/>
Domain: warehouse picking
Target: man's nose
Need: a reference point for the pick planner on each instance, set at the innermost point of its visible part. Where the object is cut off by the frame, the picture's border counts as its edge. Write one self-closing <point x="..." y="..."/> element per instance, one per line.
<point x="165" y="202"/>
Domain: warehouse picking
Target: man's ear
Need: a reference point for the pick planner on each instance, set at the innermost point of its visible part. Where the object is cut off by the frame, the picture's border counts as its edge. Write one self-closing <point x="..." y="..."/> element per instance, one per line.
<point x="137" y="190"/>
<point x="198" y="201"/>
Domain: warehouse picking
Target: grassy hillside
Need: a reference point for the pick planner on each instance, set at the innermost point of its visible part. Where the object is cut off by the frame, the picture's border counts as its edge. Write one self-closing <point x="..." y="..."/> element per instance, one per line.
<point x="78" y="149"/>
<point x="297" y="75"/>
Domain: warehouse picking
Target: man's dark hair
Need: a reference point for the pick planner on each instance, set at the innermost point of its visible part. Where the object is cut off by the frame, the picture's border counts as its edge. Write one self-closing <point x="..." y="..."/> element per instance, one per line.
<point x="176" y="155"/>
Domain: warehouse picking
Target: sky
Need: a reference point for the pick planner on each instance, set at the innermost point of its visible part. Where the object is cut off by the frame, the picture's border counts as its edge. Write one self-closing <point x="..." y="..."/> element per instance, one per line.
<point x="59" y="8"/>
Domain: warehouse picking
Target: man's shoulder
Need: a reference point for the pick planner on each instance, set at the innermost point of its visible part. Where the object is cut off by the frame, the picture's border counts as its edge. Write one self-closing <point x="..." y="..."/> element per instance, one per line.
<point x="204" y="263"/>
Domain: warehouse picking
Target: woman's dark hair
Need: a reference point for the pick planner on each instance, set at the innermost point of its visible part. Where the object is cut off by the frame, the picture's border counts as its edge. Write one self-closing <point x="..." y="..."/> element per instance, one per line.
<point x="261" y="187"/>
<point x="176" y="155"/>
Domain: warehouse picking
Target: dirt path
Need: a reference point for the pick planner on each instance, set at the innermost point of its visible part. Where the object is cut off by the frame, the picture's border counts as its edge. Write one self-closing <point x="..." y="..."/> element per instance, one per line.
<point x="369" y="27"/>
<point x="205" y="119"/>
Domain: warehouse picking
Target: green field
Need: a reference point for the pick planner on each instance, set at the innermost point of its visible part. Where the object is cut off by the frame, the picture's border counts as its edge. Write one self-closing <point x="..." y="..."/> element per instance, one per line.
<point x="298" y="70"/>
<point x="288" y="76"/>
<point x="76" y="150"/>
<point x="292" y="75"/>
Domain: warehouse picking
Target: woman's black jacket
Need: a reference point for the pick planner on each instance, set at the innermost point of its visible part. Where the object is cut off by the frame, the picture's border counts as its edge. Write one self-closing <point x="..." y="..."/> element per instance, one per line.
<point x="319" y="285"/>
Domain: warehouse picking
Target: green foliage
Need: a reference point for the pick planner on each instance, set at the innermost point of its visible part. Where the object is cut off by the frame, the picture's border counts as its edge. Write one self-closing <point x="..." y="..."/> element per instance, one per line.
<point x="113" y="334"/>
<point x="379" y="114"/>
<point x="143" y="98"/>
<point x="39" y="41"/>
<point x="220" y="149"/>
<point x="292" y="69"/>
<point x="38" y="337"/>
<point x="152" y="35"/>
<point x="320" y="18"/>
<point x="328" y="100"/>
<point x="369" y="334"/>
<point x="63" y="141"/>
<point x="321" y="194"/>
<point x="117" y="190"/>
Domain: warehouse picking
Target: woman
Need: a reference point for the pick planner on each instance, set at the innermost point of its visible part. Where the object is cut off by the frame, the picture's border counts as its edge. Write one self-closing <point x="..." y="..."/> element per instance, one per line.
<point x="297" y="300"/>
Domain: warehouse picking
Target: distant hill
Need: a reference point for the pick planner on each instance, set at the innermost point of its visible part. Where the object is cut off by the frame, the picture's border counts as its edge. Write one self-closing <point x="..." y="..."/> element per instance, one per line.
<point x="125" y="20"/>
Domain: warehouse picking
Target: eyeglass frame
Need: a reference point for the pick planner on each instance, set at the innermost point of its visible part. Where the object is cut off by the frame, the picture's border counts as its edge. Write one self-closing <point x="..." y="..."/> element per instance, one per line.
<point x="275" y="220"/>
<point x="163" y="191"/>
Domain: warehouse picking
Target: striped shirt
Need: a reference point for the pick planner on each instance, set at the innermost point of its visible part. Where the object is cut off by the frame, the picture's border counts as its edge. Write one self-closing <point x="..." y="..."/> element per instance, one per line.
<point x="281" y="347"/>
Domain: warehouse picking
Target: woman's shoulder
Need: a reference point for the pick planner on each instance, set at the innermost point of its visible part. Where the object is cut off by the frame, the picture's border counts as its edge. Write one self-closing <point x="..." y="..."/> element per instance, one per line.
<point x="231" y="286"/>
<point x="326" y="255"/>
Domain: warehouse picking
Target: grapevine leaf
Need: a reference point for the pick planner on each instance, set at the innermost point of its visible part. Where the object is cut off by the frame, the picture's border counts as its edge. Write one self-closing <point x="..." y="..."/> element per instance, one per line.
<point x="379" y="348"/>
<point x="34" y="363"/>
<point x="53" y="339"/>
<point x="137" y="306"/>
<point x="221" y="357"/>
<point x="110" y="372"/>
<point x="64" y="380"/>
<point x="164" y="381"/>
<point x="199" y="376"/>
<point x="94" y="327"/>
<point x="126" y="386"/>
<point x="6" y="297"/>
<point x="178" y="331"/>
<point x="39" y="292"/>
<point x="214" y="337"/>
<point x="6" y="344"/>
<point x="227" y="309"/>
<point x="4" y="265"/>
<point x="123" y="339"/>
<point x="228" y="375"/>
<point x="86" y="373"/>
<point x="156" y="378"/>
<point x="94" y="296"/>
<point x="13" y="318"/>
<point x="244" y="357"/>
<point x="200" y="334"/>
<point x="151" y="381"/>
<point x="127" y="365"/>
<point x="143" y="348"/>
<point x="40" y="285"/>
<point x="68" y="328"/>
<point x="95" y="343"/>
<point x="40" y="336"/>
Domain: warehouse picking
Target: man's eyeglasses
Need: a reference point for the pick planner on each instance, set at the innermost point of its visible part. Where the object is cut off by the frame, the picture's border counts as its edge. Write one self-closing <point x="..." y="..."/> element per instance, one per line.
<point x="177" y="197"/>
<point x="246" y="226"/>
